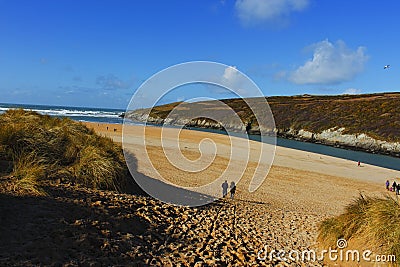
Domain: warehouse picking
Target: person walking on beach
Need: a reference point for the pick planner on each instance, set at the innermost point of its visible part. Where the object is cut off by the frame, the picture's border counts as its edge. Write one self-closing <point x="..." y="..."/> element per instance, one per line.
<point x="359" y="164"/>
<point x="394" y="186"/>
<point x="233" y="189"/>
<point x="398" y="189"/>
<point x="225" y="188"/>
<point x="387" y="185"/>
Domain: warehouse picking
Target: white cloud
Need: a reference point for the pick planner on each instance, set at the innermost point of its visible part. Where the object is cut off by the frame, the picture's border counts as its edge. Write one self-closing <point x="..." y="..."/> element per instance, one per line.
<point x="257" y="11"/>
<point x="352" y="91"/>
<point x="331" y="64"/>
<point x="235" y="80"/>
<point x="229" y="83"/>
<point x="230" y="74"/>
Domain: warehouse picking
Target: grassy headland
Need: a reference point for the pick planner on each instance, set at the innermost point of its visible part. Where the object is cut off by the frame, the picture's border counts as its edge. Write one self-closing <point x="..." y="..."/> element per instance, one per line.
<point x="373" y="114"/>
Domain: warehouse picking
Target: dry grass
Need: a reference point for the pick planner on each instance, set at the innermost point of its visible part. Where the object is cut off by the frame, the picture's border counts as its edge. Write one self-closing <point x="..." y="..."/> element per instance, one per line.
<point x="28" y="171"/>
<point x="46" y="149"/>
<point x="373" y="114"/>
<point x="367" y="220"/>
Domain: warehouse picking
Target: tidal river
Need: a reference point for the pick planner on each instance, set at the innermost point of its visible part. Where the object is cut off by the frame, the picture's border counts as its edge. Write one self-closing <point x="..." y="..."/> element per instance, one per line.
<point x="364" y="157"/>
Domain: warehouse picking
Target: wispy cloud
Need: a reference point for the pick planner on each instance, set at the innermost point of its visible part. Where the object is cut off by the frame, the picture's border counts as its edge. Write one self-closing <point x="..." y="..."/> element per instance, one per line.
<point x="111" y="82"/>
<point x="330" y="64"/>
<point x="180" y="98"/>
<point x="352" y="91"/>
<point x="217" y="5"/>
<point x="251" y="12"/>
<point x="75" y="89"/>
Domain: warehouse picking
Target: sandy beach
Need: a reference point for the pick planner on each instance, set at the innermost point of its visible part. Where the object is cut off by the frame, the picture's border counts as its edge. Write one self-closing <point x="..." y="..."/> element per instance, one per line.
<point x="300" y="190"/>
<point x="77" y="226"/>
<point x="297" y="180"/>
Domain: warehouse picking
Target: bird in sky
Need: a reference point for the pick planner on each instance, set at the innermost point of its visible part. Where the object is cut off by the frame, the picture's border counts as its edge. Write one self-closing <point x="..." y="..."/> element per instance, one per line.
<point x="386" y="67"/>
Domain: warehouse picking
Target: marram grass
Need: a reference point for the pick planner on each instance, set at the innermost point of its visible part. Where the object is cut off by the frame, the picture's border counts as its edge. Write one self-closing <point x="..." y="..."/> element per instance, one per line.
<point x="367" y="220"/>
<point x="43" y="149"/>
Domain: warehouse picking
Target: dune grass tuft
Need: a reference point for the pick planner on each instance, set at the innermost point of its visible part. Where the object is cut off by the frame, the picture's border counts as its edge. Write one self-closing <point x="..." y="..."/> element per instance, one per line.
<point x="41" y="149"/>
<point x="28" y="171"/>
<point x="368" y="220"/>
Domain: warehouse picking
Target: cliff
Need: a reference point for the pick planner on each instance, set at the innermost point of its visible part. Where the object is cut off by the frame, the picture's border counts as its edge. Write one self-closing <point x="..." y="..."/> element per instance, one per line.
<point x="365" y="122"/>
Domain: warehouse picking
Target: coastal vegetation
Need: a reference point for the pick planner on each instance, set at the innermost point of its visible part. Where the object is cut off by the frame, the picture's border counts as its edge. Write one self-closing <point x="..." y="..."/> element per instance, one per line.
<point x="38" y="149"/>
<point x="369" y="222"/>
<point x="373" y="114"/>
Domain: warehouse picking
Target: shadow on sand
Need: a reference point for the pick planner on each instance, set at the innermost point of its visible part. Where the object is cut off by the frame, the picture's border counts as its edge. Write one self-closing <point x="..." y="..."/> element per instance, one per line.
<point x="65" y="227"/>
<point x="76" y="226"/>
<point x="165" y="192"/>
<point x="251" y="201"/>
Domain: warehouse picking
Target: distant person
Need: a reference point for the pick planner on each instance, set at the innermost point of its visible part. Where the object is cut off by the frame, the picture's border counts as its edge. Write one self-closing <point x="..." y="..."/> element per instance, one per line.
<point x="387" y="184"/>
<point x="394" y="185"/>
<point x="398" y="189"/>
<point x="359" y="164"/>
<point x="225" y="188"/>
<point x="233" y="190"/>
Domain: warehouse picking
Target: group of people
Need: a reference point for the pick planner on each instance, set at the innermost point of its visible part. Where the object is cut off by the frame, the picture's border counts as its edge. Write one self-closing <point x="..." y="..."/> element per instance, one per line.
<point x="225" y="189"/>
<point x="394" y="188"/>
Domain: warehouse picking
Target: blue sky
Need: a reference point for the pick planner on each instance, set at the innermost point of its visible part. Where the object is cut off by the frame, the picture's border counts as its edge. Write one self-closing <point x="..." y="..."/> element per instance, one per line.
<point x="97" y="53"/>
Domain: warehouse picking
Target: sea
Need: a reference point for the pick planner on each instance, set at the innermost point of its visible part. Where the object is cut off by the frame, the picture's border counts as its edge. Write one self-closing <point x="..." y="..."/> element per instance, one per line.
<point x="105" y="115"/>
<point x="99" y="115"/>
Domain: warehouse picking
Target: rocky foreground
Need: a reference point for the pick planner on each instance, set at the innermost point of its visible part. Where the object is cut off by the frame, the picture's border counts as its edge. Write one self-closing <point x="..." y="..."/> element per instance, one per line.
<point x="82" y="227"/>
